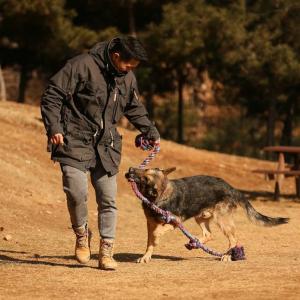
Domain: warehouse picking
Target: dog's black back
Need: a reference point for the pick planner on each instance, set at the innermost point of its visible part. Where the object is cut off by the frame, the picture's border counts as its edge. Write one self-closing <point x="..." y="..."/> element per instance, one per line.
<point x="192" y="194"/>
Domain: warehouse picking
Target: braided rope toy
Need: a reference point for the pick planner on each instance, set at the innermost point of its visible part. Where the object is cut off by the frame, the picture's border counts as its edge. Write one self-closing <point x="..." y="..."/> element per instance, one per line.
<point x="236" y="253"/>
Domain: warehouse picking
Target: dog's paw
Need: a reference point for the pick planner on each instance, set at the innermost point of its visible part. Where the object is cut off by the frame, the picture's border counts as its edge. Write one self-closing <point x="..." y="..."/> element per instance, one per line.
<point x="144" y="259"/>
<point x="226" y="257"/>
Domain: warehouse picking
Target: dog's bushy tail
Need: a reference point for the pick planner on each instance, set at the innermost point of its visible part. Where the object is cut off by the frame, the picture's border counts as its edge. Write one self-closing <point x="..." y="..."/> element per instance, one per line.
<point x="258" y="218"/>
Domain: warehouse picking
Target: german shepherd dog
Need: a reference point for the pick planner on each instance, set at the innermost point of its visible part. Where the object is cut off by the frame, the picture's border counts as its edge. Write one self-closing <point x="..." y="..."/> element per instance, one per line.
<point x="205" y="198"/>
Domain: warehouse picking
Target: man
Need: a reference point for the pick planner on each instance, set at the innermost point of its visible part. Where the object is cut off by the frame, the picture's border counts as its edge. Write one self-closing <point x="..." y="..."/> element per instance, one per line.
<point x="80" y="109"/>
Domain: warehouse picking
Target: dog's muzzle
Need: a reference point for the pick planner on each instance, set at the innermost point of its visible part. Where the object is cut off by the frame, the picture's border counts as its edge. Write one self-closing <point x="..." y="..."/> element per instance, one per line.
<point x="131" y="176"/>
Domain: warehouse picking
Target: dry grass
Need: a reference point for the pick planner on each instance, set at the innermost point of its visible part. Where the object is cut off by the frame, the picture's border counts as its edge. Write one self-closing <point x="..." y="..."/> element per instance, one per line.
<point x="37" y="263"/>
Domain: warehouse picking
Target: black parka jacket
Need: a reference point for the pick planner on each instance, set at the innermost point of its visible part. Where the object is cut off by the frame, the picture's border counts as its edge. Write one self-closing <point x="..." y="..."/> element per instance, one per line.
<point x="84" y="101"/>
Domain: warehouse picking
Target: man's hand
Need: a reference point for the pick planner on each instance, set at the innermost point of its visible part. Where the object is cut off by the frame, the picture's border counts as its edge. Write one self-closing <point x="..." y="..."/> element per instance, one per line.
<point x="57" y="139"/>
<point x="152" y="135"/>
<point x="144" y="143"/>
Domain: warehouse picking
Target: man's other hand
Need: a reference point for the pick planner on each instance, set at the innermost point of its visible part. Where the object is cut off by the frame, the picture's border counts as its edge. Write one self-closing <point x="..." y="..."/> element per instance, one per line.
<point x="57" y="139"/>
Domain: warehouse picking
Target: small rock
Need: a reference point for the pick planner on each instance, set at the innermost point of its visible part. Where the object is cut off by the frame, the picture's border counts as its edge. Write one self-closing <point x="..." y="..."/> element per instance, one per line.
<point x="48" y="212"/>
<point x="1" y="228"/>
<point x="8" y="237"/>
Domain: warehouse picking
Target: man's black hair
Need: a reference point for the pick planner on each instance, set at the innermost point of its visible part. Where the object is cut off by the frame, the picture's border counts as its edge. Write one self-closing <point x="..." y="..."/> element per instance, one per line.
<point x="129" y="47"/>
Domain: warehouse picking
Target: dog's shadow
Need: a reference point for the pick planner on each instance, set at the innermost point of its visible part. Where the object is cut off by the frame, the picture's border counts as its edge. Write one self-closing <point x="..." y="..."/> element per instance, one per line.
<point x="132" y="257"/>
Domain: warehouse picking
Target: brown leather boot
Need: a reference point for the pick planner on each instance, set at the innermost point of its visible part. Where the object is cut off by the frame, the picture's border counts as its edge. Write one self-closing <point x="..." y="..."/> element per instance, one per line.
<point x="106" y="260"/>
<point x="82" y="246"/>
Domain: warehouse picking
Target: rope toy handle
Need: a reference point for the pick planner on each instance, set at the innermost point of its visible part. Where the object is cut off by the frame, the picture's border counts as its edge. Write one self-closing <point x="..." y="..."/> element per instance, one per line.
<point x="155" y="149"/>
<point x="144" y="143"/>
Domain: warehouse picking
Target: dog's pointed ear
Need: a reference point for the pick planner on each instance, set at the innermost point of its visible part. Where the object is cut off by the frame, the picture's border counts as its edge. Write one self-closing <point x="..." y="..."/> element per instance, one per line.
<point x="169" y="170"/>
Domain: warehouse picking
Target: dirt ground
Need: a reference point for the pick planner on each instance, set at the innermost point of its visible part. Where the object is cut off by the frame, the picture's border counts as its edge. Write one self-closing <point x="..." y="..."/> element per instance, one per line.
<point x="37" y="243"/>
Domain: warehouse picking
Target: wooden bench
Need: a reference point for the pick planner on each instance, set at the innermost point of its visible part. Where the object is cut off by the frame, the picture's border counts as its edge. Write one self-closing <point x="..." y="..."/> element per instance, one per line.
<point x="278" y="175"/>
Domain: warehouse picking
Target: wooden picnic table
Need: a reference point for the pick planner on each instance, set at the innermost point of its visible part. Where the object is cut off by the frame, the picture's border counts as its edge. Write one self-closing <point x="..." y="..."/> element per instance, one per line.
<point x="283" y="170"/>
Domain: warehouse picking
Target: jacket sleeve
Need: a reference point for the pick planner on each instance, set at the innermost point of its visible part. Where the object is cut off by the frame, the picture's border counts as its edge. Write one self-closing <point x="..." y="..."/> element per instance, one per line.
<point x="137" y="114"/>
<point x="62" y="83"/>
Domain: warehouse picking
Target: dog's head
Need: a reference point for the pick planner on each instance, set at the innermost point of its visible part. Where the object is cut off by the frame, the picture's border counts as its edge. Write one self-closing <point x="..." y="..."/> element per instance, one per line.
<point x="151" y="182"/>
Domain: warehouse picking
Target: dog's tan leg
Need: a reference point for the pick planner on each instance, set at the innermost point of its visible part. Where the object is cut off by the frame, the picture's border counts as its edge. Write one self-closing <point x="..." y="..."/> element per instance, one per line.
<point x="155" y="231"/>
<point x="206" y="233"/>
<point x="224" y="220"/>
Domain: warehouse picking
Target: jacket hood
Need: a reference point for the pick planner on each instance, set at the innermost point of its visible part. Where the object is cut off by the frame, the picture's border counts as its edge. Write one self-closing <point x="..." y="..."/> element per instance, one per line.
<point x="100" y="53"/>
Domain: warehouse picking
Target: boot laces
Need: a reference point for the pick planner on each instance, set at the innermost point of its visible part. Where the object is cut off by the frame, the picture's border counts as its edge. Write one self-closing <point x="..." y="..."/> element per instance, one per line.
<point x="82" y="238"/>
<point x="106" y="249"/>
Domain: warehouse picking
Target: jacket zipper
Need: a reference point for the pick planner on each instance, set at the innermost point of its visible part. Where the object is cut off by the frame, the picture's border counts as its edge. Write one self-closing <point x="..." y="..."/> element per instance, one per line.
<point x="136" y="96"/>
<point x="112" y="139"/>
<point x="115" y="106"/>
<point x="115" y="95"/>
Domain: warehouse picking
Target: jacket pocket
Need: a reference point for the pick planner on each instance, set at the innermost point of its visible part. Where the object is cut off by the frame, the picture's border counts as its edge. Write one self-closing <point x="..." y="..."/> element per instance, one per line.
<point x="58" y="151"/>
<point x="72" y="148"/>
<point x="115" y="150"/>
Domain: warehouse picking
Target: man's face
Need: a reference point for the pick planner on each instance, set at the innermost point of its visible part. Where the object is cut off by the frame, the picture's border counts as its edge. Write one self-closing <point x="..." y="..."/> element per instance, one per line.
<point x="124" y="66"/>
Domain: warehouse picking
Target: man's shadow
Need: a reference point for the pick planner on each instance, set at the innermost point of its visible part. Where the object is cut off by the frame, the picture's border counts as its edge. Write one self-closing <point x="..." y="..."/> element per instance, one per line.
<point x="35" y="259"/>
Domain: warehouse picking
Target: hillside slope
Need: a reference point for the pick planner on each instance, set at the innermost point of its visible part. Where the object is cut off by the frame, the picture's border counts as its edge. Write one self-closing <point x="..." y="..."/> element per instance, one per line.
<point x="36" y="242"/>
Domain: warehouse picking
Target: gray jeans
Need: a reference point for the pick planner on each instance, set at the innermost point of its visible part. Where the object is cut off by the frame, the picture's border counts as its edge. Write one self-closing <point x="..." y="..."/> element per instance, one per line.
<point x="75" y="185"/>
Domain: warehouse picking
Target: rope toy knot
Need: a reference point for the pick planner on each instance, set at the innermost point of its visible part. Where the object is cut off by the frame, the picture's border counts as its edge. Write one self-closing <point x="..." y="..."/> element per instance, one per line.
<point x="237" y="253"/>
<point x="192" y="244"/>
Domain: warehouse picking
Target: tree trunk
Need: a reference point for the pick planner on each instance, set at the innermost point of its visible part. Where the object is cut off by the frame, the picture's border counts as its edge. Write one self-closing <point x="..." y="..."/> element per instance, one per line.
<point x="2" y="86"/>
<point x="272" y="114"/>
<point x="287" y="130"/>
<point x="180" y="125"/>
<point x="131" y="20"/>
<point x="23" y="83"/>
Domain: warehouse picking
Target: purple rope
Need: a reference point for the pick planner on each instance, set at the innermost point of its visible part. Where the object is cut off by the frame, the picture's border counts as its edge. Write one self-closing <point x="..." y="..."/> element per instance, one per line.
<point x="150" y="157"/>
<point x="237" y="253"/>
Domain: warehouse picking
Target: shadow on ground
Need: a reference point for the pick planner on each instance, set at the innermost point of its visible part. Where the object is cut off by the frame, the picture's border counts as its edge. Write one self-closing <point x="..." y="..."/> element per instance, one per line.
<point x="132" y="257"/>
<point x="37" y="259"/>
<point x="267" y="196"/>
<point x="5" y="259"/>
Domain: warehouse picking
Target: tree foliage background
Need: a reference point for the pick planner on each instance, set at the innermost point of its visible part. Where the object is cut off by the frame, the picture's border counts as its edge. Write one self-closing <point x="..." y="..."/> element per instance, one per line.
<point x="248" y="50"/>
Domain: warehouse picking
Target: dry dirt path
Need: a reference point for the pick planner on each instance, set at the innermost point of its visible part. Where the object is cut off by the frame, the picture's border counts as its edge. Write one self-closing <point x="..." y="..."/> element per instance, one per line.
<point x="36" y="262"/>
